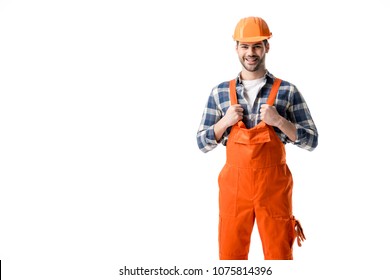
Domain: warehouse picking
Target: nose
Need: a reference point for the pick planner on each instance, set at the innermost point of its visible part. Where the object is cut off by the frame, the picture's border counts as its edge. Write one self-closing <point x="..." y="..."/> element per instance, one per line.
<point x="251" y="51"/>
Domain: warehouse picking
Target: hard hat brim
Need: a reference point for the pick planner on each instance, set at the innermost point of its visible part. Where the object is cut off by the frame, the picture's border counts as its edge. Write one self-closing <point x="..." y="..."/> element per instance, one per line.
<point x="252" y="39"/>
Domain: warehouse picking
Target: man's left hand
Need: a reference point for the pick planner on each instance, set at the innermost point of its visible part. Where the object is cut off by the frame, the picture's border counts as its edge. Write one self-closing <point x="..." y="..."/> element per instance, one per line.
<point x="270" y="116"/>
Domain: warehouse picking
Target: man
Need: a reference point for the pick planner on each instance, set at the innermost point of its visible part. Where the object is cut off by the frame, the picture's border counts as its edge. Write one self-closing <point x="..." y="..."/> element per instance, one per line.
<point x="255" y="115"/>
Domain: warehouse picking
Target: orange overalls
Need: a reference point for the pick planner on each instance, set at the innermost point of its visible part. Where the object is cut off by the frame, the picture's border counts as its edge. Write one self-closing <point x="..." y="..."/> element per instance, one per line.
<point x="256" y="183"/>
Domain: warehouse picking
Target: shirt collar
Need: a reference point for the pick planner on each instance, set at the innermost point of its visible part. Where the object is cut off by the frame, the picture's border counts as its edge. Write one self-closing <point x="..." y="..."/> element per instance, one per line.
<point x="268" y="76"/>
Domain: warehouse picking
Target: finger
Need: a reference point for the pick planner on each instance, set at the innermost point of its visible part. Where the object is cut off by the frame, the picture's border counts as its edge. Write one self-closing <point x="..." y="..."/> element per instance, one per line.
<point x="240" y="113"/>
<point x="235" y="108"/>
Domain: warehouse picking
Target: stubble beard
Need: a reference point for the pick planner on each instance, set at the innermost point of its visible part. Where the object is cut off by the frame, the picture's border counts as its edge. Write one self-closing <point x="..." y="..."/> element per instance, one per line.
<point x="254" y="67"/>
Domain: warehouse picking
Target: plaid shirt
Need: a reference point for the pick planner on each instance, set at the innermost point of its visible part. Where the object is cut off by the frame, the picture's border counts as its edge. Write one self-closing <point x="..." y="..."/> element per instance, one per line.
<point x="289" y="103"/>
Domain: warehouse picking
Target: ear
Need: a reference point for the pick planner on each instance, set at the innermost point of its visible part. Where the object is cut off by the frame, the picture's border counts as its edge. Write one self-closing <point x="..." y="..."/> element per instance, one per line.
<point x="267" y="47"/>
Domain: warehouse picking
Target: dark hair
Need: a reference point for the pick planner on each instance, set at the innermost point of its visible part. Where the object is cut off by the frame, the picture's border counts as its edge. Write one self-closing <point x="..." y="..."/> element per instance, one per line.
<point x="265" y="42"/>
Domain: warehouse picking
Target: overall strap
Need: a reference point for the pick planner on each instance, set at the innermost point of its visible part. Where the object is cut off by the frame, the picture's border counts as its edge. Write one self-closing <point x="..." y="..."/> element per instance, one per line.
<point x="271" y="97"/>
<point x="270" y="100"/>
<point x="274" y="91"/>
<point x="232" y="92"/>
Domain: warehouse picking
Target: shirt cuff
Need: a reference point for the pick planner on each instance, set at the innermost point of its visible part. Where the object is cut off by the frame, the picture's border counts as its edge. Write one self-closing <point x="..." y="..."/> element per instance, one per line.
<point x="301" y="135"/>
<point x="210" y="136"/>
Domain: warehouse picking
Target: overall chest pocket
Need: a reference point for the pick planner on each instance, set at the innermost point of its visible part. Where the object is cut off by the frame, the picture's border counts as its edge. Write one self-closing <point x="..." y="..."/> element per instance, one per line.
<point x="252" y="136"/>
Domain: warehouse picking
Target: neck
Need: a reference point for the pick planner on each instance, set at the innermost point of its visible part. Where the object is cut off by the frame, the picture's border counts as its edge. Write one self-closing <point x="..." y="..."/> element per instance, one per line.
<point x="247" y="75"/>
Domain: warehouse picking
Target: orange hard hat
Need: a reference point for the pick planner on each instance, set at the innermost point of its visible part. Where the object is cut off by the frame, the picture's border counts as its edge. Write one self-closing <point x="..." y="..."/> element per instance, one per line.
<point x="251" y="29"/>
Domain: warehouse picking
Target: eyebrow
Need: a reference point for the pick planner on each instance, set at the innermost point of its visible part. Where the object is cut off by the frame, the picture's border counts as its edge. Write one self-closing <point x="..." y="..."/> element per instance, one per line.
<point x="255" y="45"/>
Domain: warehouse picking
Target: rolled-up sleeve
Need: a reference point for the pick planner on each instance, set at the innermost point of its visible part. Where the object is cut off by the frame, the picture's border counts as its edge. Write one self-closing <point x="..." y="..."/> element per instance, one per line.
<point x="299" y="114"/>
<point x="211" y="115"/>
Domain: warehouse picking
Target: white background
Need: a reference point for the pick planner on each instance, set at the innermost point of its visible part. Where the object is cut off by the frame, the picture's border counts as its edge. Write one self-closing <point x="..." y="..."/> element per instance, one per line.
<point x="100" y="102"/>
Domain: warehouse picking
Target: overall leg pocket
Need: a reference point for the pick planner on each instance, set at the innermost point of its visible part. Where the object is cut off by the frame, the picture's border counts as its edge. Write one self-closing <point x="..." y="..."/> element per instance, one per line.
<point x="228" y="187"/>
<point x="279" y="191"/>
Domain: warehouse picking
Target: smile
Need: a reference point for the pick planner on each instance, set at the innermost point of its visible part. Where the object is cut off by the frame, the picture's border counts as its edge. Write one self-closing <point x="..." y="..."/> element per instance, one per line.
<point x="251" y="60"/>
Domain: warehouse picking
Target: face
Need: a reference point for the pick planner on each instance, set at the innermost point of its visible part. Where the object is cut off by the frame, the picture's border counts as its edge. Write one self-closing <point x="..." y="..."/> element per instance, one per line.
<point x="252" y="55"/>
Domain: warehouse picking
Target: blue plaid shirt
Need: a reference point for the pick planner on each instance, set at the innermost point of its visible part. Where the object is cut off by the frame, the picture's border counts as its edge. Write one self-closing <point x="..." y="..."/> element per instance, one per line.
<point x="289" y="103"/>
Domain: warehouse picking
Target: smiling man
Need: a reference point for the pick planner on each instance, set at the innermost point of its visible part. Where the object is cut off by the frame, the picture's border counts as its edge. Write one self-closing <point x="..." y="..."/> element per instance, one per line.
<point x="254" y="116"/>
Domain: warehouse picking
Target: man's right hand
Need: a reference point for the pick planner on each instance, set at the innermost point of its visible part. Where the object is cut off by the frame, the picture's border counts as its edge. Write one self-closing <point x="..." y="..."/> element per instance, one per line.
<point x="234" y="114"/>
